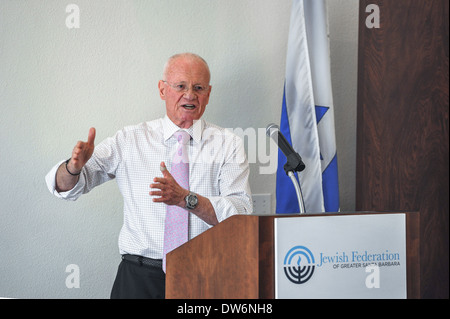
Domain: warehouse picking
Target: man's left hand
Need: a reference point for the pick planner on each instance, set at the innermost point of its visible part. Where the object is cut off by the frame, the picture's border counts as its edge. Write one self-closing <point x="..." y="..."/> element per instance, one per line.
<point x="169" y="191"/>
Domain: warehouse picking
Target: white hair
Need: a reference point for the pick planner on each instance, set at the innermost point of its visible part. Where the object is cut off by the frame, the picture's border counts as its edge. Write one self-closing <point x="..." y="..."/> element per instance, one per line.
<point x="189" y="55"/>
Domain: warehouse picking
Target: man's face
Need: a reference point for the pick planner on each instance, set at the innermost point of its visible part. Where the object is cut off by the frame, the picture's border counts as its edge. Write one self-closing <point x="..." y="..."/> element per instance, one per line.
<point x="186" y="91"/>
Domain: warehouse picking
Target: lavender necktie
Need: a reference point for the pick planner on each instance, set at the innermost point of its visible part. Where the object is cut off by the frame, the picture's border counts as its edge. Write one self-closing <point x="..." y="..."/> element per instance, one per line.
<point x="176" y="225"/>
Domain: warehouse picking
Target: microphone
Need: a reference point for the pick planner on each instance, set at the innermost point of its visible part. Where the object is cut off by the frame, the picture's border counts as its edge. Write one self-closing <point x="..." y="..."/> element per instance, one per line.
<point x="294" y="160"/>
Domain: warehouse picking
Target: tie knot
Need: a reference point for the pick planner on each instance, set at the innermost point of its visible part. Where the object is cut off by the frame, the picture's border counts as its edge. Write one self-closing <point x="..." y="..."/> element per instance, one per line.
<point x="182" y="137"/>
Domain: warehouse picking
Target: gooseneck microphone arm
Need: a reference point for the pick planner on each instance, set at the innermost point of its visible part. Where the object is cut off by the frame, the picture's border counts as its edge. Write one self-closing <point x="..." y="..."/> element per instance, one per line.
<point x="294" y="161"/>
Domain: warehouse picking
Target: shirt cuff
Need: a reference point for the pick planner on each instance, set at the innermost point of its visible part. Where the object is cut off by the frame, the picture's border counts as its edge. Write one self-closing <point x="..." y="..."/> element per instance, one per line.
<point x="73" y="194"/>
<point x="227" y="207"/>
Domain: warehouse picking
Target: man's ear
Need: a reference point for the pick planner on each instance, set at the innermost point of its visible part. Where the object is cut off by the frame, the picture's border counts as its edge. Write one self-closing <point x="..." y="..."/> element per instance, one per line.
<point x="161" y="89"/>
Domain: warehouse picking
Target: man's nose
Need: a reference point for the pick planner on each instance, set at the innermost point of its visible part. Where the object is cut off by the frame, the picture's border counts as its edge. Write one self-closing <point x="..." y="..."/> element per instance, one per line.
<point x="190" y="94"/>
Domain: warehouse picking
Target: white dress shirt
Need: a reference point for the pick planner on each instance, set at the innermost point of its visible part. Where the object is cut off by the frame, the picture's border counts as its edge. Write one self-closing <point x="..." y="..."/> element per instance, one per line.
<point x="218" y="170"/>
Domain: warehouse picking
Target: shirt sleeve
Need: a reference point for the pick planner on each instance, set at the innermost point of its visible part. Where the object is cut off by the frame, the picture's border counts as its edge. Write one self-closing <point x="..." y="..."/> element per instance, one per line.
<point x="100" y="168"/>
<point x="235" y="195"/>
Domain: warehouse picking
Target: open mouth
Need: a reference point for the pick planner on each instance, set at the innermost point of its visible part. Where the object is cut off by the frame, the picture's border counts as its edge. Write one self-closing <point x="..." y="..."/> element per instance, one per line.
<point x="188" y="106"/>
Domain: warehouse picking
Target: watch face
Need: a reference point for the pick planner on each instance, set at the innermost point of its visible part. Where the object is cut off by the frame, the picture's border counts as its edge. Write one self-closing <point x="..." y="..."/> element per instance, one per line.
<point x="192" y="201"/>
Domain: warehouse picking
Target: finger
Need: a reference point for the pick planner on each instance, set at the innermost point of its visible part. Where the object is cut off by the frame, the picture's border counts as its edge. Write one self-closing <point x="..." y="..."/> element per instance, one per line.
<point x="160" y="187"/>
<point x="160" y="180"/>
<point x="164" y="169"/>
<point x="91" y="136"/>
<point x="76" y="153"/>
<point x="79" y="148"/>
<point x="79" y="145"/>
<point x="156" y="193"/>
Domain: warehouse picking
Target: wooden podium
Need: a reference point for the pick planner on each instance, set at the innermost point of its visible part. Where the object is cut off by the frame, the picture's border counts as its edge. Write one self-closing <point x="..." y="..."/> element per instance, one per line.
<point x="235" y="259"/>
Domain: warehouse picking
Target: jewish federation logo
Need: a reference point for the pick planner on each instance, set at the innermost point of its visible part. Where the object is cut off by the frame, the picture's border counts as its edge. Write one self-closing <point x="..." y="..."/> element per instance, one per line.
<point x="299" y="265"/>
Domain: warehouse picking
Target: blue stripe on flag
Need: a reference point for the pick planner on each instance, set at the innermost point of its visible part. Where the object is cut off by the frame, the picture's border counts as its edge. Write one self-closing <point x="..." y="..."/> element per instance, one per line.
<point x="320" y="112"/>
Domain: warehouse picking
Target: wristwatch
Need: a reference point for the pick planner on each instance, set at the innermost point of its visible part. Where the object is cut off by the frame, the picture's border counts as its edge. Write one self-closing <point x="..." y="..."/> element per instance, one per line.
<point x="191" y="200"/>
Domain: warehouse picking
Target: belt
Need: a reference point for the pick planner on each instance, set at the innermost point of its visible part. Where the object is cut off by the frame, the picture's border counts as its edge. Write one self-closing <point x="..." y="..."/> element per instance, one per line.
<point x="143" y="261"/>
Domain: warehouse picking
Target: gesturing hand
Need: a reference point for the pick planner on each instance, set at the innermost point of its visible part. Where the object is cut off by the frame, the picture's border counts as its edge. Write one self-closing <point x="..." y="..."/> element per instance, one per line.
<point x="170" y="192"/>
<point x="82" y="152"/>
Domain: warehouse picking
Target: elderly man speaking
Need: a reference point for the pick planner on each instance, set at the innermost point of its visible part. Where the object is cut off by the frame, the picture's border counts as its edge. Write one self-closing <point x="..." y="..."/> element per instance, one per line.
<point x="179" y="175"/>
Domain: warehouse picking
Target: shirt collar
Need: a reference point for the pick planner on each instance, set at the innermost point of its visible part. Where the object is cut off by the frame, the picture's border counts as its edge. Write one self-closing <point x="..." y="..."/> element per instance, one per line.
<point x="195" y="131"/>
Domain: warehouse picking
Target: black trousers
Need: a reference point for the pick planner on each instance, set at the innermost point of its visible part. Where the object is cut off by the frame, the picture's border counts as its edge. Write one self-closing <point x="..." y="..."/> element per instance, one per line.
<point x="134" y="281"/>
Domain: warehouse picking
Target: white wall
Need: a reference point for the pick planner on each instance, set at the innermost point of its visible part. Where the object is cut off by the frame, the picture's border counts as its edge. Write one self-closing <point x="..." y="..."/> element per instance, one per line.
<point x="57" y="82"/>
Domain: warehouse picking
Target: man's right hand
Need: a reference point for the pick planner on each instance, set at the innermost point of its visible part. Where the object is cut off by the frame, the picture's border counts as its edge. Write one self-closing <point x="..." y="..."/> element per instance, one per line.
<point x="82" y="152"/>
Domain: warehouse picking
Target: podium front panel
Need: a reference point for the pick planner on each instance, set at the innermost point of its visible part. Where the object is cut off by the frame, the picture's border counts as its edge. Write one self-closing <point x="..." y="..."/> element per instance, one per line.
<point x="360" y="256"/>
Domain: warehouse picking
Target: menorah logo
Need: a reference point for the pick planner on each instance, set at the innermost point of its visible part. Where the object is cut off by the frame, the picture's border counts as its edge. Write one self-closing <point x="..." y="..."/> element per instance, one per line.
<point x="299" y="265"/>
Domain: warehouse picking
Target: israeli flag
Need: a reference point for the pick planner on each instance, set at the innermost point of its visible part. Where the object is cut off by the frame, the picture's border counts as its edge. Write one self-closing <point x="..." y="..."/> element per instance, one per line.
<point x="307" y="117"/>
